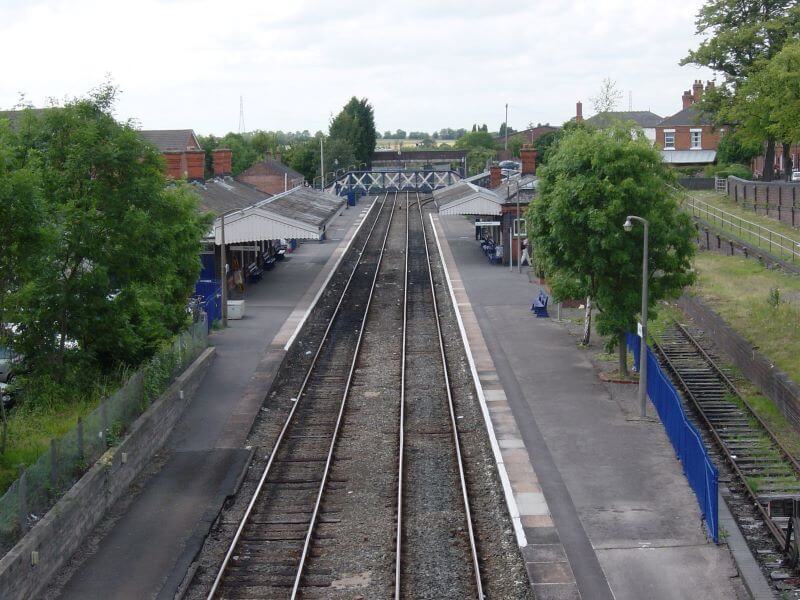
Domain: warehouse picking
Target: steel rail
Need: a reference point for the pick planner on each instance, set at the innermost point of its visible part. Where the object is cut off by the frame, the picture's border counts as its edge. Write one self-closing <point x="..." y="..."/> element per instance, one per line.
<point x="289" y="418"/>
<point x="453" y="424"/>
<point x="335" y="436"/>
<point x="402" y="419"/>
<point x="774" y="530"/>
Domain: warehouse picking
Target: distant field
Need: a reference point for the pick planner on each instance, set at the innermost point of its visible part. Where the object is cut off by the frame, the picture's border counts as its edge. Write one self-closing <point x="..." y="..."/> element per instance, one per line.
<point x="409" y="144"/>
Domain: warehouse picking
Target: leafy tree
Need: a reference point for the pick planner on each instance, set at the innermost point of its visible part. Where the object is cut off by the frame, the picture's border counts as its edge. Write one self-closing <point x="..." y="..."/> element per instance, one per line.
<point x="477" y="159"/>
<point x="545" y="143"/>
<point x="593" y="180"/>
<point x="515" y="145"/>
<point x="387" y="134"/>
<point x="400" y="134"/>
<point x="608" y="97"/>
<point x="733" y="150"/>
<point x="121" y="253"/>
<point x="476" y="139"/>
<point x="303" y="157"/>
<point x="265" y="142"/>
<point x="740" y="35"/>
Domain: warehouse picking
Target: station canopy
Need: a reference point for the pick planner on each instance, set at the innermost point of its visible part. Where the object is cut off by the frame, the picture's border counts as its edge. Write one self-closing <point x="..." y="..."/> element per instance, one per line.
<point x="465" y="198"/>
<point x="300" y="213"/>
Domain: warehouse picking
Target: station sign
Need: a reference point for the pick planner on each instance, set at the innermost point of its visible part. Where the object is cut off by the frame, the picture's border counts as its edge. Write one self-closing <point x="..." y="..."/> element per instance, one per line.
<point x="487" y="223"/>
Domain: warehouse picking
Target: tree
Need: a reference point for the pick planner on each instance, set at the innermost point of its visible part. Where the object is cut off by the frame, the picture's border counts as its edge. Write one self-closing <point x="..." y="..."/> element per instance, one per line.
<point x="400" y="134"/>
<point x="387" y="134"/>
<point x="545" y="143"/>
<point x="608" y="97"/>
<point x="121" y="252"/>
<point x="303" y="157"/>
<point x="475" y="139"/>
<point x="740" y="36"/>
<point x="733" y="150"/>
<point x="592" y="182"/>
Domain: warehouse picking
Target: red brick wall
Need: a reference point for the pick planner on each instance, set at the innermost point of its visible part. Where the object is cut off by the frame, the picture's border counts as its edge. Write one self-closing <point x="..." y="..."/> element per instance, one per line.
<point x="528" y="158"/>
<point x="195" y="164"/>
<point x="269" y="184"/>
<point x="709" y="140"/>
<point x="222" y="159"/>
<point x="174" y="160"/>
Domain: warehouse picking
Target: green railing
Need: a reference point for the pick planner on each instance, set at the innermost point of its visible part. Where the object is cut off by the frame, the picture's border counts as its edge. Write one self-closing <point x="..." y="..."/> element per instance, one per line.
<point x="754" y="234"/>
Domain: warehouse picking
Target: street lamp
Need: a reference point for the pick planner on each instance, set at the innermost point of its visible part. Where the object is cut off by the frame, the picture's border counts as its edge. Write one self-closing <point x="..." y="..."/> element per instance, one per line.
<point x="628" y="225"/>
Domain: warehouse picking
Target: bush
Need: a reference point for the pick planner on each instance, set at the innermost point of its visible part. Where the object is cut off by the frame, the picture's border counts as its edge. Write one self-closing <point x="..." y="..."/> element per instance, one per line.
<point x="740" y="171"/>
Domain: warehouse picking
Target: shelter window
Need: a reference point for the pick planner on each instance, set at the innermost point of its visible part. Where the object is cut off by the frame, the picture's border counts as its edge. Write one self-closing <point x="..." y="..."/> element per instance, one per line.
<point x="520" y="228"/>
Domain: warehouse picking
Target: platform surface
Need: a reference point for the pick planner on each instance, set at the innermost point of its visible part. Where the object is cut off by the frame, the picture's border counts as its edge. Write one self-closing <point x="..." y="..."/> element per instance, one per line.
<point x="147" y="551"/>
<point x="609" y="512"/>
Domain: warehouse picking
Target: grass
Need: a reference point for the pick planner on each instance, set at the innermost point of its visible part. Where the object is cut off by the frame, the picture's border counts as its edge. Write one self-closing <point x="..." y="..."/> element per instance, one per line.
<point x="722" y="201"/>
<point x="738" y="289"/>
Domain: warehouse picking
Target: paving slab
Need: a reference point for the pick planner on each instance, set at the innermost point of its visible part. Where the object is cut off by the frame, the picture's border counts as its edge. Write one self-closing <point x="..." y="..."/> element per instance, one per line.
<point x="616" y="498"/>
<point x="147" y="551"/>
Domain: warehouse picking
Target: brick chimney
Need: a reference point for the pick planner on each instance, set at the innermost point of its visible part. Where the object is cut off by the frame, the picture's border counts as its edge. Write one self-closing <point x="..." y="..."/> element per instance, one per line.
<point x="687" y="99"/>
<point x="222" y="159"/>
<point x="528" y="156"/>
<point x="195" y="165"/>
<point x="579" y="112"/>
<point x="697" y="90"/>
<point x="495" y="176"/>
<point x="709" y="86"/>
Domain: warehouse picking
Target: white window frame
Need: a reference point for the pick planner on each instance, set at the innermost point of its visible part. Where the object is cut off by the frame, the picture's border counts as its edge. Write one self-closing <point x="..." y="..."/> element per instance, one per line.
<point x="516" y="230"/>
<point x="699" y="133"/>
<point x="672" y="146"/>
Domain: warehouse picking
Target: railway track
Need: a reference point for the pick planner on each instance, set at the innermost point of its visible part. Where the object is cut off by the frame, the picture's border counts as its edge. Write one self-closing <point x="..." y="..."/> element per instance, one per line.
<point x="307" y="526"/>
<point x="267" y="554"/>
<point x="432" y="495"/>
<point x="769" y="474"/>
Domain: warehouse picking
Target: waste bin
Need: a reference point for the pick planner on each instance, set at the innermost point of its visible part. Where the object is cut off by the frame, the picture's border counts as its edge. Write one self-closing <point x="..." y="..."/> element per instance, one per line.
<point x="351" y="198"/>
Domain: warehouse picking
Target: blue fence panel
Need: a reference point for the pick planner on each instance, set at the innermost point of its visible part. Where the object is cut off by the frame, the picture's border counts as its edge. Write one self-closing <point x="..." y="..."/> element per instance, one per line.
<point x="689" y="447"/>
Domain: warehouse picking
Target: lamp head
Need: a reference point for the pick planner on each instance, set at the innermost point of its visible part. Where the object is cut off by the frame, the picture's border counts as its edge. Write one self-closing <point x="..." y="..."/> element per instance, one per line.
<point x="628" y="225"/>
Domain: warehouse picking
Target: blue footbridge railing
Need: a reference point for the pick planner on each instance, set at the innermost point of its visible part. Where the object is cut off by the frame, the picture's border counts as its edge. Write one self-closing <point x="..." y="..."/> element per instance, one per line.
<point x="686" y="440"/>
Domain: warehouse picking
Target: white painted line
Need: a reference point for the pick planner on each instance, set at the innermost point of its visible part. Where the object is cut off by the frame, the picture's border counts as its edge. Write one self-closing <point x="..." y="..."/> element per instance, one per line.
<point x="508" y="492"/>
<point x="363" y="217"/>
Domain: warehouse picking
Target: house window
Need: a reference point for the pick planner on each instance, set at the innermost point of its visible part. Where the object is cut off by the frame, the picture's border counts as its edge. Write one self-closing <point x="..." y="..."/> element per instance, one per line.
<point x="669" y="139"/>
<point x="520" y="228"/>
<point x="696" y="139"/>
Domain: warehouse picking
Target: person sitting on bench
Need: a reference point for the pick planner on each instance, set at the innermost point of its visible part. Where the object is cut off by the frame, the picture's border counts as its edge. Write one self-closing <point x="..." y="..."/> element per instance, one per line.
<point x="540" y="304"/>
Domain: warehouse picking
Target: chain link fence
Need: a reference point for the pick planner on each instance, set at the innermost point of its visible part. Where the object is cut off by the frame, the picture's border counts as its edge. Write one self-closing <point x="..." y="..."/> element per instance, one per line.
<point x="41" y="484"/>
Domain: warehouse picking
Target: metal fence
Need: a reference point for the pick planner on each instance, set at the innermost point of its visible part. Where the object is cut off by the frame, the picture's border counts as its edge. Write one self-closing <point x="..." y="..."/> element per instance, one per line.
<point x="775" y="243"/>
<point x="41" y="484"/>
<point x="689" y="447"/>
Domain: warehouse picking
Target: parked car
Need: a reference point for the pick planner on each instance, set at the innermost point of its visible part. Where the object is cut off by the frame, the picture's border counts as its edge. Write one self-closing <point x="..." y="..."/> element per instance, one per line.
<point x="795" y="175"/>
<point x="7" y="393"/>
<point x="10" y="362"/>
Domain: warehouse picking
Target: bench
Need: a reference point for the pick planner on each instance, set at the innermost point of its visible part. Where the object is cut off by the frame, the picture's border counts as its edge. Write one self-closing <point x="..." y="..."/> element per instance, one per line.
<point x="269" y="263"/>
<point x="539" y="306"/>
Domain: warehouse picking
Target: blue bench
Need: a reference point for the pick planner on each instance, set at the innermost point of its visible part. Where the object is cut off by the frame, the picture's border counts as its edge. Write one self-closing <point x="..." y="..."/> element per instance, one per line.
<point x="254" y="273"/>
<point x="539" y="306"/>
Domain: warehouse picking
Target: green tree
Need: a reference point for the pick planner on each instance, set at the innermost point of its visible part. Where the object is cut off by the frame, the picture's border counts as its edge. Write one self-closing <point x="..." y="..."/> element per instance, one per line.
<point x="733" y="150"/>
<point x="355" y="125"/>
<point x="545" y="144"/>
<point x="400" y="134"/>
<point x="740" y="35"/>
<point x="303" y="157"/>
<point x="591" y="183"/>
<point x="476" y="139"/>
<point x="607" y="98"/>
<point x="121" y="254"/>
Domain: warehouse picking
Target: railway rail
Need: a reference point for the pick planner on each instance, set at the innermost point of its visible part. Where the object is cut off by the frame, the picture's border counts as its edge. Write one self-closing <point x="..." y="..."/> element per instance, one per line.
<point x="767" y="471"/>
<point x="268" y="552"/>
<point x="429" y="449"/>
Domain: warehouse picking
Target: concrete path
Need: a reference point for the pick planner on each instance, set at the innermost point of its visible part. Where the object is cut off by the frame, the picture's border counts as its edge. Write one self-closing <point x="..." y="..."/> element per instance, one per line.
<point x="619" y="503"/>
<point x="147" y="552"/>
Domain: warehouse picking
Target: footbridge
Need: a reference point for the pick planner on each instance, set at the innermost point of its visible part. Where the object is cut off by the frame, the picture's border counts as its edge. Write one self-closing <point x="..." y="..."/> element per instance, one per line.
<point x="400" y="180"/>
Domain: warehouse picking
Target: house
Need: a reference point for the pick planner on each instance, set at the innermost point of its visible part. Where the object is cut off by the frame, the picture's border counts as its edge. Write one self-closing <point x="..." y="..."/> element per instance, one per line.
<point x="182" y="152"/>
<point x="644" y="119"/>
<point x="271" y="176"/>
<point x="689" y="138"/>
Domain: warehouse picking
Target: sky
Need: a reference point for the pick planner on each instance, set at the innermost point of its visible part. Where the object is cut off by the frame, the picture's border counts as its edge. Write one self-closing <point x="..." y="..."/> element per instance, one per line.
<point x="423" y="64"/>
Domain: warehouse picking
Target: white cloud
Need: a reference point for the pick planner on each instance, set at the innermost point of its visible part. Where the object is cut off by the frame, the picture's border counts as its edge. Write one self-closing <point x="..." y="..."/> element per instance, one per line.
<point x="184" y="63"/>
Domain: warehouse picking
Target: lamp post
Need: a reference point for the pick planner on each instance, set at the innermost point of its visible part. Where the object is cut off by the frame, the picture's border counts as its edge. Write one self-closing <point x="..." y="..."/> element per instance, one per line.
<point x="628" y="225"/>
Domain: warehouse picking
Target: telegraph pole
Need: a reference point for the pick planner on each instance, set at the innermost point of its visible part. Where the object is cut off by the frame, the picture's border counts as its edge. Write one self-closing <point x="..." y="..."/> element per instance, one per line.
<point x="506" y="144"/>
<point x="322" y="163"/>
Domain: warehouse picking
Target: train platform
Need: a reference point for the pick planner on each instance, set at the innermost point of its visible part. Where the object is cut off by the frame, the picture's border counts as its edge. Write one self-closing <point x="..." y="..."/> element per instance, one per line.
<point x="144" y="548"/>
<point x="600" y="503"/>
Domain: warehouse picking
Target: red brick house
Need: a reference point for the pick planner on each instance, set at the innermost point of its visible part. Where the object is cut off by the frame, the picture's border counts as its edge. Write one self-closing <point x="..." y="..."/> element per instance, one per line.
<point x="182" y="152"/>
<point x="688" y="137"/>
<point x="271" y="176"/>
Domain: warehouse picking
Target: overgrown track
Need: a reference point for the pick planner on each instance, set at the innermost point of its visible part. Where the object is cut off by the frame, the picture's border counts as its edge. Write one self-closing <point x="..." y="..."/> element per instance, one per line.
<point x="767" y="471"/>
<point x="433" y="500"/>
<point x="267" y="554"/>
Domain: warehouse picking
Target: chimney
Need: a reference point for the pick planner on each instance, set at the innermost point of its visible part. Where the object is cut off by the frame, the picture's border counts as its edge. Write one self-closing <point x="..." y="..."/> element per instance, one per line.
<point x="697" y="90"/>
<point x="528" y="156"/>
<point x="195" y="163"/>
<point x="579" y="112"/>
<point x="222" y="159"/>
<point x="709" y="86"/>
<point x="687" y="99"/>
<point x="495" y="176"/>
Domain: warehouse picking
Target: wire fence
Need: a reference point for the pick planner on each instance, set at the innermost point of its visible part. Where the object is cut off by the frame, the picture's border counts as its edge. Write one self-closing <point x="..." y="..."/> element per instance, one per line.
<point x="777" y="244"/>
<point x="42" y="483"/>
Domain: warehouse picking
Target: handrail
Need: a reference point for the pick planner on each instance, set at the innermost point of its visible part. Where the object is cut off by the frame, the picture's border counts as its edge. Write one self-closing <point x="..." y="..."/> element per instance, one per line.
<point x="746" y="229"/>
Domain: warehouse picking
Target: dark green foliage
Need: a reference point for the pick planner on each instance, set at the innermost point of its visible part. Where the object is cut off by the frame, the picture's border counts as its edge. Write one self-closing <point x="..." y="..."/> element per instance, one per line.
<point x="740" y="171"/>
<point x="118" y="250"/>
<point x="732" y="150"/>
<point x="593" y="180"/>
<point x="545" y="144"/>
<point x="355" y="126"/>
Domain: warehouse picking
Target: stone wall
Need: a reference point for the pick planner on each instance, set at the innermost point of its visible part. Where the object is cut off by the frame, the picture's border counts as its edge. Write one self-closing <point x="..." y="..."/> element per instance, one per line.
<point x="28" y="567"/>
<point x="773" y="383"/>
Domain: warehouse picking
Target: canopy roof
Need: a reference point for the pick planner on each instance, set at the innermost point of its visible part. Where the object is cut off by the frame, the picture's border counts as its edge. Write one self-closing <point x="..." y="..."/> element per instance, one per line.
<point x="465" y="198"/>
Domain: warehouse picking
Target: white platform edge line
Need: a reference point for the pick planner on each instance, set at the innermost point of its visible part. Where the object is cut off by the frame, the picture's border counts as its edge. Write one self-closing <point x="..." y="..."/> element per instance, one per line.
<point x="324" y="285"/>
<point x="508" y="492"/>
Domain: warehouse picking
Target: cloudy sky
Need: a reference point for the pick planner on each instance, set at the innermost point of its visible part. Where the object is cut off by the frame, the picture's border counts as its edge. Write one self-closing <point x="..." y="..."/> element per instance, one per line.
<point x="424" y="64"/>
